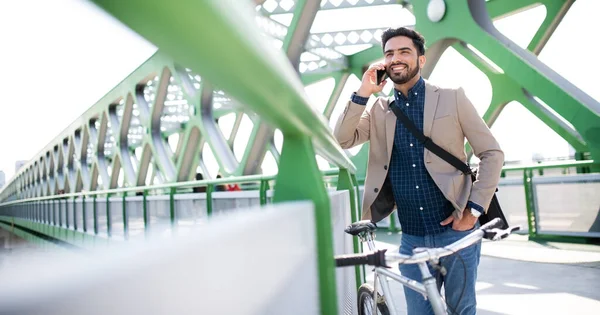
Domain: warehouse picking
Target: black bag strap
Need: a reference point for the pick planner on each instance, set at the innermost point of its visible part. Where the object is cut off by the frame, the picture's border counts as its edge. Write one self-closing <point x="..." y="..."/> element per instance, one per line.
<point x="426" y="141"/>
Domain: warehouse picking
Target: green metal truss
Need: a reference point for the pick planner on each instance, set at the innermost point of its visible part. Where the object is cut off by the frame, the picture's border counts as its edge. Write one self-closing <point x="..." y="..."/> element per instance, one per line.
<point x="135" y="135"/>
<point x="468" y="22"/>
<point x="160" y="125"/>
<point x="505" y="89"/>
<point x="459" y="27"/>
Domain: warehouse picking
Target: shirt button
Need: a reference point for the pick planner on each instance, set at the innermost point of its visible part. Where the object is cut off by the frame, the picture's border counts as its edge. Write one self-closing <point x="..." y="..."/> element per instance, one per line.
<point x="411" y="145"/>
<point x="407" y="104"/>
<point x="376" y="190"/>
<point x="385" y="167"/>
<point x="421" y="208"/>
<point x="415" y="93"/>
<point x="414" y="165"/>
<point x="417" y="187"/>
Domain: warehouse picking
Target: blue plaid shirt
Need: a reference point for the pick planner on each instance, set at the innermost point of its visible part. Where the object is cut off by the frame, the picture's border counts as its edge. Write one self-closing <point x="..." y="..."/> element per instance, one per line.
<point x="421" y="204"/>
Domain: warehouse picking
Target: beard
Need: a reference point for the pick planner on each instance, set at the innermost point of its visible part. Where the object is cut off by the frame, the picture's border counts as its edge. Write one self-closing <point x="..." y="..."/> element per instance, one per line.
<point x="405" y="75"/>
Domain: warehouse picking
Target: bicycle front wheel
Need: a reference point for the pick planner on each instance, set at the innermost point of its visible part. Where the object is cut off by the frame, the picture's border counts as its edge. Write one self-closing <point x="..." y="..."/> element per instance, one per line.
<point x="365" y="301"/>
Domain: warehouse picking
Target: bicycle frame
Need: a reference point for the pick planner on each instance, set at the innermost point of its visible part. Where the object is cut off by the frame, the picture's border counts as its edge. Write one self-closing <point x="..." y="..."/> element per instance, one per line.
<point x="428" y="288"/>
<point x="420" y="256"/>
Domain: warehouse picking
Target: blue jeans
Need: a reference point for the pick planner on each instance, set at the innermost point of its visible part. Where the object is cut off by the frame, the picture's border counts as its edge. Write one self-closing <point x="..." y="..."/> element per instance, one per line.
<point x="456" y="278"/>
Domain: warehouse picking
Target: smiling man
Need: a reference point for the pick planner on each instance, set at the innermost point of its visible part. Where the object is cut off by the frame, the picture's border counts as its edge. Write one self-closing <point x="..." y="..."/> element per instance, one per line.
<point x="436" y="203"/>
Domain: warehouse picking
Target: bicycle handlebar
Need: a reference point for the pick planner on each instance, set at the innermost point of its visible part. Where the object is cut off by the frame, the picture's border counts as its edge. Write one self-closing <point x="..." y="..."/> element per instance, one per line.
<point x="379" y="258"/>
<point x="376" y="258"/>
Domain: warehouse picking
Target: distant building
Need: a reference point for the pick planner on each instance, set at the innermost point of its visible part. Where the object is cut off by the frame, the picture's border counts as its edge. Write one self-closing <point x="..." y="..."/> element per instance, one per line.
<point x="18" y="165"/>
<point x="2" y="179"/>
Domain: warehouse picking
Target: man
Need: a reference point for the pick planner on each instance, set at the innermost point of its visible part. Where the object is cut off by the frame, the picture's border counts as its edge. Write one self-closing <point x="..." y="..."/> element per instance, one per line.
<point x="436" y="203"/>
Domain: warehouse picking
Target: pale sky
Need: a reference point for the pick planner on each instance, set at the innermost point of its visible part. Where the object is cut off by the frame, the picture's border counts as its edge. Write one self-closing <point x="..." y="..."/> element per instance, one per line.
<point x="59" y="57"/>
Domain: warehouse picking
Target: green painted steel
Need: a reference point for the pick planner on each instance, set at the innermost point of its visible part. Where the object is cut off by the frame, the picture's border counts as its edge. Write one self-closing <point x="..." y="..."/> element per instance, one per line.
<point x="356" y="184"/>
<point x="253" y="78"/>
<point x="299" y="179"/>
<point x="209" y="190"/>
<point x="74" y="214"/>
<point x="539" y="166"/>
<point x="564" y="239"/>
<point x="144" y="209"/>
<point x="467" y="22"/>
<point x="345" y="183"/>
<point x="393" y="218"/>
<point x="108" y="217"/>
<point x="298" y="153"/>
<point x="95" y="216"/>
<point x="340" y="79"/>
<point x="41" y="243"/>
<point x="504" y="88"/>
<point x="529" y="202"/>
<point x="128" y="125"/>
<point x="60" y="222"/>
<point x="84" y="214"/>
<point x="125" y="217"/>
<point x="66" y="213"/>
<point x="264" y="187"/>
<point x="555" y="11"/>
<point x="83" y="240"/>
<point x="172" y="206"/>
<point x="195" y="132"/>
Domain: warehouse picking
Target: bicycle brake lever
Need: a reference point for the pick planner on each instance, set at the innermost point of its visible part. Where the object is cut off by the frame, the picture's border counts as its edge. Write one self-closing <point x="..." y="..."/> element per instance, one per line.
<point x="498" y="234"/>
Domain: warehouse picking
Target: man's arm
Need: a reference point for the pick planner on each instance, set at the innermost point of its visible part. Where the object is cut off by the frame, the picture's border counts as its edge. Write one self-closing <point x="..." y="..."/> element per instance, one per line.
<point x="354" y="124"/>
<point x="485" y="147"/>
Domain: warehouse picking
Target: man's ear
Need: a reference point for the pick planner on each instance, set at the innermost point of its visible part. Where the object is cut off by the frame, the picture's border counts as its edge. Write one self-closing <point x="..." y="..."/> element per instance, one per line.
<point x="422" y="61"/>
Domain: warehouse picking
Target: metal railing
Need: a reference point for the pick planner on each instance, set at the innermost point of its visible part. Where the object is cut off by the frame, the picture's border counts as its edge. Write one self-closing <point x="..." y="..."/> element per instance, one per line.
<point x="22" y="213"/>
<point x="528" y="173"/>
<point x="528" y="182"/>
<point x="226" y="48"/>
<point x="30" y="208"/>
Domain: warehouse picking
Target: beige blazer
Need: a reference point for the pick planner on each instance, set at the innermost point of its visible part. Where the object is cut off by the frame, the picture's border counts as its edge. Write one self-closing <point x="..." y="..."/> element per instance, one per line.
<point x="449" y="117"/>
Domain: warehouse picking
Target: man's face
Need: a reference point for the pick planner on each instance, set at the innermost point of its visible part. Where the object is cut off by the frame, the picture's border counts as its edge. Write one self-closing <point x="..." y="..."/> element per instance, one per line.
<point x="402" y="61"/>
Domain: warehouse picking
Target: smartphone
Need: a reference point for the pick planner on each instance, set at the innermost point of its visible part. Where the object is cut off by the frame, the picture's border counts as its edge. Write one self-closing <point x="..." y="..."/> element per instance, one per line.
<point x="381" y="75"/>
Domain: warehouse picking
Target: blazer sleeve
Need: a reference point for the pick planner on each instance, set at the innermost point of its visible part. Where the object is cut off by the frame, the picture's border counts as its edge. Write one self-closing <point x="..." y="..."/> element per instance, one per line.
<point x="353" y="126"/>
<point x="485" y="147"/>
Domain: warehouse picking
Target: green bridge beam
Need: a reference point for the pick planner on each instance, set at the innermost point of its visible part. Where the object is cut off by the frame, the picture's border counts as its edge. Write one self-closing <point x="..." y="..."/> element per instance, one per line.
<point x="460" y="24"/>
<point x="506" y="90"/>
<point x="276" y="91"/>
<point x="264" y="80"/>
<point x="468" y="21"/>
<point x="555" y="11"/>
<point x="293" y="45"/>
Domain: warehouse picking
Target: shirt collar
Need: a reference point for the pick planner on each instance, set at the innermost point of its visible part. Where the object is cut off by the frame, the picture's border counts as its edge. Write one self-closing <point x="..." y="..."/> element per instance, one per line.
<point x="417" y="88"/>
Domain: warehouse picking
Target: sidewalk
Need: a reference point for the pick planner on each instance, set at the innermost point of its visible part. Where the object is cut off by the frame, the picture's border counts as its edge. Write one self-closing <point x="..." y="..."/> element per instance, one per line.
<point x="517" y="277"/>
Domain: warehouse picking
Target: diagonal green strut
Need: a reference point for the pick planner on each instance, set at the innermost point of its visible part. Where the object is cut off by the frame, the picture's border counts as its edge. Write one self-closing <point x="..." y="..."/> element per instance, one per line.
<point x="468" y="21"/>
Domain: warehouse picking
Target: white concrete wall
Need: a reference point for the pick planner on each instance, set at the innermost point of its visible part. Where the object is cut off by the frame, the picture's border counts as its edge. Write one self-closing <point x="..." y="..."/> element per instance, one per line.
<point x="257" y="261"/>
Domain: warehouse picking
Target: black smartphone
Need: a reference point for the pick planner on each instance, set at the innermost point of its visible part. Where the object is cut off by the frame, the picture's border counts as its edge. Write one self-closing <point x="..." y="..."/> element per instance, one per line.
<point x="381" y="75"/>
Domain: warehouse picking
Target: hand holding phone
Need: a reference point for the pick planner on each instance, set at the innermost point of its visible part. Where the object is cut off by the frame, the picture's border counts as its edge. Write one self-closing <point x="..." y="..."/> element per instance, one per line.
<point x="373" y="80"/>
<point x="381" y="75"/>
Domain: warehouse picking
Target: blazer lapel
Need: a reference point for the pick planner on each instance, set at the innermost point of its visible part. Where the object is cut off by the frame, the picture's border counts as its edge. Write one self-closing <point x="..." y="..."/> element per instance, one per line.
<point x="390" y="127"/>
<point x="431" y="103"/>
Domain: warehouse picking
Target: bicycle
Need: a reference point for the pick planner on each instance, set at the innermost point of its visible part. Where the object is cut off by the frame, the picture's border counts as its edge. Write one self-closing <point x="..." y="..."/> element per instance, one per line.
<point x="430" y="289"/>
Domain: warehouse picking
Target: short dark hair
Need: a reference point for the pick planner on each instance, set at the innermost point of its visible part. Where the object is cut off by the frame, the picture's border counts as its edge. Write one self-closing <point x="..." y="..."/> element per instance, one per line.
<point x="418" y="39"/>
